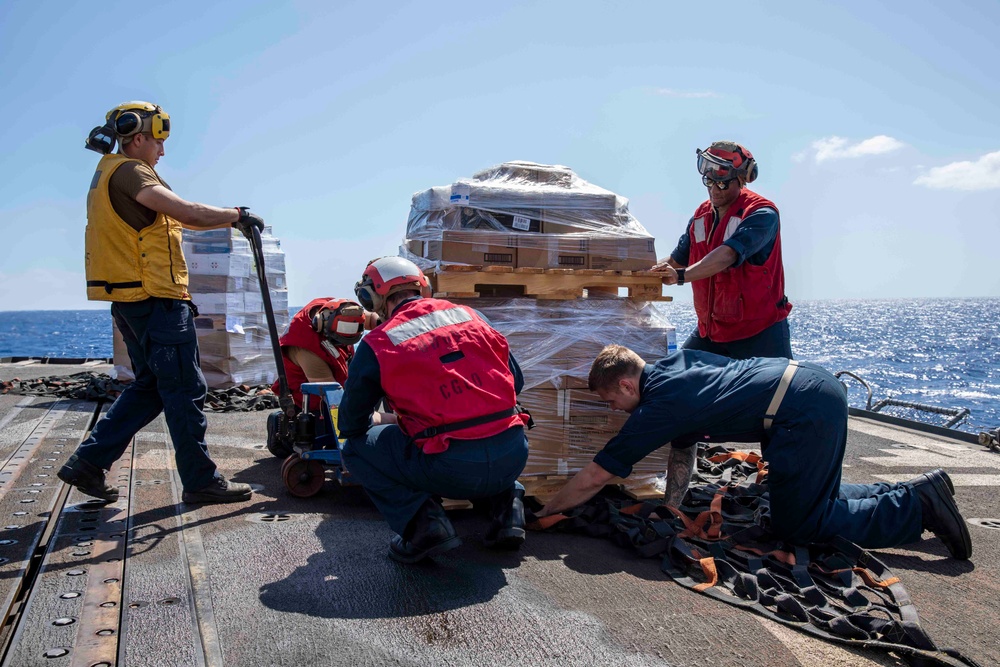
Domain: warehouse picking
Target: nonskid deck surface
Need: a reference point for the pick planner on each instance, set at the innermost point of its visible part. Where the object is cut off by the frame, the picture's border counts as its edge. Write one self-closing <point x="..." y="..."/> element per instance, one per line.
<point x="286" y="581"/>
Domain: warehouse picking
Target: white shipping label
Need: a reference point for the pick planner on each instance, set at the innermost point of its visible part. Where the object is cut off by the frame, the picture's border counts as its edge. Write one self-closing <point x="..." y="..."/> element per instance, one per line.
<point x="234" y="324"/>
<point x="460" y="193"/>
<point x="522" y="223"/>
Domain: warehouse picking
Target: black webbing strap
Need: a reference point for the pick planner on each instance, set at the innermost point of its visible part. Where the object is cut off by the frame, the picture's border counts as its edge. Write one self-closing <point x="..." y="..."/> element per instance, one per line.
<point x="466" y="423"/>
<point x="108" y="287"/>
<point x="720" y="546"/>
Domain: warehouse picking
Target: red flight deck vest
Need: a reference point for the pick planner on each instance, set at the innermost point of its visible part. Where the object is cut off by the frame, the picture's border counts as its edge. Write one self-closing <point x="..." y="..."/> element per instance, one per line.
<point x="441" y="364"/>
<point x="741" y="301"/>
<point x="300" y="333"/>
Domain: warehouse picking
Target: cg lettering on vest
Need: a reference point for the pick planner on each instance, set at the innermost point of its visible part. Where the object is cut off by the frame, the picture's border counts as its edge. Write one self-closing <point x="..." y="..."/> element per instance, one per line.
<point x="457" y="386"/>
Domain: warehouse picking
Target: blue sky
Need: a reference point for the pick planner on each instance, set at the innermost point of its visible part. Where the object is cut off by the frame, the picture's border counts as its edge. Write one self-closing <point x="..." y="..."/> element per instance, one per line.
<point x="876" y="128"/>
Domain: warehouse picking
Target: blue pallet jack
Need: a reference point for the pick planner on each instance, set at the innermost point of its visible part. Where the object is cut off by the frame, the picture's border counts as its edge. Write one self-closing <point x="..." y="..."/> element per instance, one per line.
<point x="317" y="445"/>
<point x="309" y="437"/>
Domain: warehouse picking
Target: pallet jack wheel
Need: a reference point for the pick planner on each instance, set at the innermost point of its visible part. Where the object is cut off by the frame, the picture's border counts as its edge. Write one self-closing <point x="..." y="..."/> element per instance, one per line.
<point x="303" y="479"/>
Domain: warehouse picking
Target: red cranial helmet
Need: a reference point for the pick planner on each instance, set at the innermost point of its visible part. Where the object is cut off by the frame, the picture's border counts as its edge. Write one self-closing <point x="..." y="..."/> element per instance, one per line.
<point x="726" y="160"/>
<point x="385" y="276"/>
<point x="340" y="321"/>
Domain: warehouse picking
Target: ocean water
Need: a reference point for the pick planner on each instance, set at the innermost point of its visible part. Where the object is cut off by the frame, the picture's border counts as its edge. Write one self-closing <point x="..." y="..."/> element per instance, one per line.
<point x="939" y="352"/>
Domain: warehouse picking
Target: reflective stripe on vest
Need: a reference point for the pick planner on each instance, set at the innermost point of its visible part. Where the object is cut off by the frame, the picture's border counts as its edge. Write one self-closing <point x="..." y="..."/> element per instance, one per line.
<point x="427" y="323"/>
<point x="444" y="370"/>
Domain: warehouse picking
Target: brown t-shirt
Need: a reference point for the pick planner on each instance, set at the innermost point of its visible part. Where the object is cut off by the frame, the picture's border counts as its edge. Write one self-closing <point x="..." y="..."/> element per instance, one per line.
<point x="124" y="185"/>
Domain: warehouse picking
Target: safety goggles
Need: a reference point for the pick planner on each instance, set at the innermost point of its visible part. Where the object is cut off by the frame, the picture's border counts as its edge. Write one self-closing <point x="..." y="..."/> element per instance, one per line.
<point x="720" y="184"/>
<point x="719" y="165"/>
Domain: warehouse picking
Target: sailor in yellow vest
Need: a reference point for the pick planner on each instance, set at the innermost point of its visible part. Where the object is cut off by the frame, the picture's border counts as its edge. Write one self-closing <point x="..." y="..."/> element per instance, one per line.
<point x="134" y="260"/>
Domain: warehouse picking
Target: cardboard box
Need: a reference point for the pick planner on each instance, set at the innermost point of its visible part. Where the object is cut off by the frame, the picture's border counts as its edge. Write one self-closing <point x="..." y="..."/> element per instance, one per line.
<point x="550" y="251"/>
<point x="219" y="303"/>
<point x="200" y="283"/>
<point x="473" y="247"/>
<point x="219" y="265"/>
<point x="622" y="253"/>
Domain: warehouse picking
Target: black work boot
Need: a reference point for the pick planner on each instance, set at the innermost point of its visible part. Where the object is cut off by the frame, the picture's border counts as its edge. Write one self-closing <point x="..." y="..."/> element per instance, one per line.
<point x="920" y="479"/>
<point x="428" y="534"/>
<point x="940" y="513"/>
<point x="506" y="529"/>
<point x="88" y="478"/>
<point x="219" y="490"/>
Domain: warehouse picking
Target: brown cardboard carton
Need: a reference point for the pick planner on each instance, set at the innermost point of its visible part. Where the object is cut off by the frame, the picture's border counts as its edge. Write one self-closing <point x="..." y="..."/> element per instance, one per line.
<point x="550" y="251"/>
<point x="622" y="253"/>
<point x="473" y="247"/>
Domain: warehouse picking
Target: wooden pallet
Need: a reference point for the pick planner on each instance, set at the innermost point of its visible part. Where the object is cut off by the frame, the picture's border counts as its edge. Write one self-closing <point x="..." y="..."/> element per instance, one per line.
<point x="544" y="487"/>
<point x="450" y="504"/>
<point x="469" y="281"/>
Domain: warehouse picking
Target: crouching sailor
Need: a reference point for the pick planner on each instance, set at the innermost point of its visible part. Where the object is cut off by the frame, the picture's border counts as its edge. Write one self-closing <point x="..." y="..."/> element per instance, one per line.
<point x="797" y="411"/>
<point x="451" y="381"/>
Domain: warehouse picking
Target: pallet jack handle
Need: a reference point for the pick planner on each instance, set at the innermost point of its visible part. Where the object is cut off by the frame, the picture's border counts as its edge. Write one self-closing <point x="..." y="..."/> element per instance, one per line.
<point x="285" y="400"/>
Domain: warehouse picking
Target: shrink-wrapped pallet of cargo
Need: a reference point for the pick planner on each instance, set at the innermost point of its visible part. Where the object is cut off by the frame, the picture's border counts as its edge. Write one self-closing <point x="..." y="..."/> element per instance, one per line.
<point x="523" y="214"/>
<point x="232" y="328"/>
<point x="561" y="268"/>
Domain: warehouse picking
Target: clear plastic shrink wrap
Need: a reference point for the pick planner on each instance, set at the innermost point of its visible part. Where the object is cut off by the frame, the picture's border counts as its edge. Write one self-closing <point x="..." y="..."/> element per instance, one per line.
<point x="522" y="214"/>
<point x="538" y="219"/>
<point x="555" y="342"/>
<point x="232" y="328"/>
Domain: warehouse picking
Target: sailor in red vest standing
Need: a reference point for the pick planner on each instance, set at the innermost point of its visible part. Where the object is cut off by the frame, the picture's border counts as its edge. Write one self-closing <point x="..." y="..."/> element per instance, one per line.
<point x="317" y="347"/>
<point x="451" y="381"/>
<point x="731" y="255"/>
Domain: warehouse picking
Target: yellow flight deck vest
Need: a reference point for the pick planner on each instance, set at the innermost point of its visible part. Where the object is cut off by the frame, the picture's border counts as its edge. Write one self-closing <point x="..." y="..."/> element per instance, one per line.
<point x="124" y="264"/>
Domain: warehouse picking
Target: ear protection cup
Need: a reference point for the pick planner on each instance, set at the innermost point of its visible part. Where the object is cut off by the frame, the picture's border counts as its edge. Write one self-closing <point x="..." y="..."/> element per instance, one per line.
<point x="127" y="123"/>
<point x="751" y="170"/>
<point x="369" y="299"/>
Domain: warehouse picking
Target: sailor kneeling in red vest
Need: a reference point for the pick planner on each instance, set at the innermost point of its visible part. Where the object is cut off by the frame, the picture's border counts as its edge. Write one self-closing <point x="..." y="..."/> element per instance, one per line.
<point x="797" y="411"/>
<point x="451" y="381"/>
<point x="317" y="346"/>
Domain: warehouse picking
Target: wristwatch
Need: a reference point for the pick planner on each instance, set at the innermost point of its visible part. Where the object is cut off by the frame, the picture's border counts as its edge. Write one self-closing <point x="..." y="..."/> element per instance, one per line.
<point x="680" y="276"/>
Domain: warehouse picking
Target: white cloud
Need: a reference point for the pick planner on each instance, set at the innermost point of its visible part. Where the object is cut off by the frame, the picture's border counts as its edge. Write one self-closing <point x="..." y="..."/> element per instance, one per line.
<point x="684" y="94"/>
<point x="983" y="174"/>
<point x="836" y="148"/>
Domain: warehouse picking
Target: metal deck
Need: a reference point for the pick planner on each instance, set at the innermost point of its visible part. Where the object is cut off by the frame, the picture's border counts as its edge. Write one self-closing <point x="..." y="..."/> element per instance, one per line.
<point x="286" y="581"/>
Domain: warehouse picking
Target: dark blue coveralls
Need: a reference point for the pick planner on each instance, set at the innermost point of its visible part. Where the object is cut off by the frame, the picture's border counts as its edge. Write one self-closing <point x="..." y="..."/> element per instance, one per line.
<point x="393" y="470"/>
<point x="163" y="346"/>
<point x="692" y="396"/>
<point x="752" y="241"/>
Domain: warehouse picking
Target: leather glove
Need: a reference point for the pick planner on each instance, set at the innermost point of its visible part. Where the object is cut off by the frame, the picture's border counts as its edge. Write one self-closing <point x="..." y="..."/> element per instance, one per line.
<point x="247" y="221"/>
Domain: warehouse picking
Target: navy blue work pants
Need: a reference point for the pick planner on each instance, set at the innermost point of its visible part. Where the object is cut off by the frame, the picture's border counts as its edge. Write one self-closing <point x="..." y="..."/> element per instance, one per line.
<point x="399" y="477"/>
<point x="805" y="454"/>
<point x="774" y="341"/>
<point x="163" y="346"/>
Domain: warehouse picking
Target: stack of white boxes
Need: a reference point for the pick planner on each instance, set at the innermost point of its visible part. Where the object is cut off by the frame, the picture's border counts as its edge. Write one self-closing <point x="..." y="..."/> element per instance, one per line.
<point x="232" y="327"/>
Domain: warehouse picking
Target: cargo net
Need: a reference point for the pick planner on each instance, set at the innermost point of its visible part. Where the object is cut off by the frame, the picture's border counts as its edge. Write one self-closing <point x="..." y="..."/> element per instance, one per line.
<point x="90" y="386"/>
<point x="715" y="544"/>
